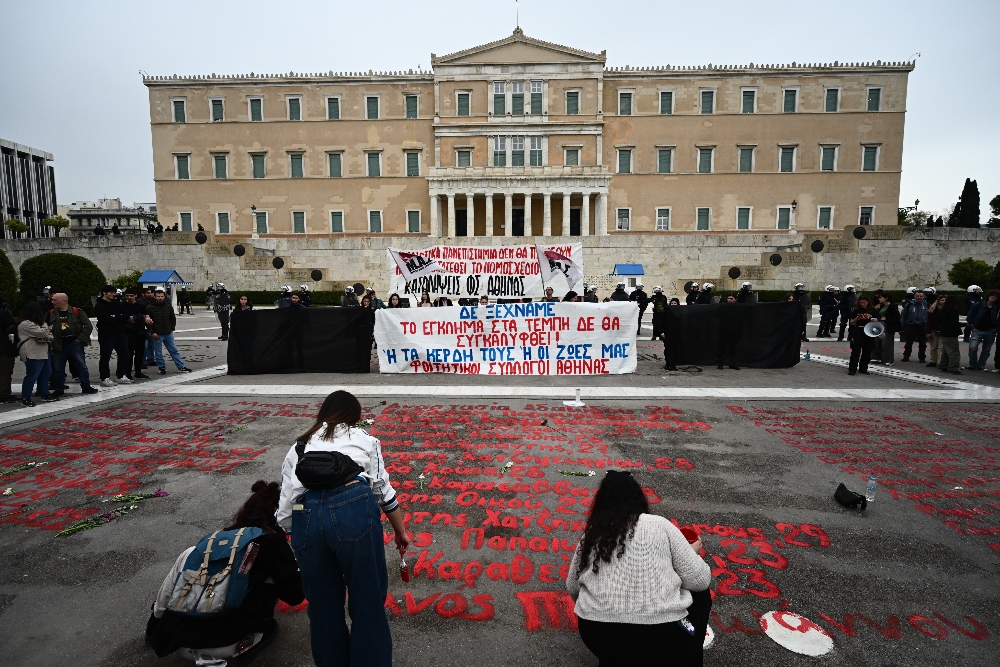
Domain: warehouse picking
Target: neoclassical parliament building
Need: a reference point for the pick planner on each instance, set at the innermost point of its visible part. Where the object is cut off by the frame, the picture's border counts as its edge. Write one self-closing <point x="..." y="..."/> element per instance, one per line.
<point x="521" y="137"/>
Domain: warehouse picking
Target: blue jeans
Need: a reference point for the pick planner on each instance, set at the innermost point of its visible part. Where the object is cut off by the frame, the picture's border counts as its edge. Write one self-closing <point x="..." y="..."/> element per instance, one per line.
<point x="978" y="359"/>
<point x="36" y="370"/>
<point x="337" y="538"/>
<point x="149" y="359"/>
<point x="74" y="351"/>
<point x="168" y="340"/>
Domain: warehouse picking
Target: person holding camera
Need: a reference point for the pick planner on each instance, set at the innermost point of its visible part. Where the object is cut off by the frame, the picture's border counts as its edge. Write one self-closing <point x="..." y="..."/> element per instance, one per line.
<point x="861" y="343"/>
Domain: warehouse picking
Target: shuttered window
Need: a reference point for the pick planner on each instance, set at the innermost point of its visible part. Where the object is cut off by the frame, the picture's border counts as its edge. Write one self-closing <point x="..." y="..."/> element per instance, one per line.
<point x="870" y="158"/>
<point x="787" y="160"/>
<point x="825" y="217"/>
<point x="413" y="222"/>
<point x="664" y="160"/>
<point x="874" y="99"/>
<point x="223" y="220"/>
<point x="708" y="101"/>
<point x="666" y="102"/>
<point x="257" y="162"/>
<point x="572" y="157"/>
<point x="624" y="104"/>
<point x="828" y="160"/>
<point x="572" y="102"/>
<point x="464" y="159"/>
<point x="517" y="151"/>
<point x="335" y="161"/>
<point x="294" y="108"/>
<point x="298" y="222"/>
<point x="499" y="151"/>
<point x="411" y="106"/>
<point x="743" y="217"/>
<point x="337" y="222"/>
<point x="791" y="101"/>
<point x="832" y="100"/>
<point x="536" y="151"/>
<point x="413" y="164"/>
<point x="624" y="220"/>
<point x="463" y="104"/>
<point x="704" y="218"/>
<point x="333" y="108"/>
<point x="374" y="164"/>
<point x="704" y="160"/>
<point x="375" y="222"/>
<point x="296" y="164"/>
<point x="662" y="219"/>
<point x="784" y="217"/>
<point x="260" y="221"/>
<point x="218" y="111"/>
<point x="517" y="98"/>
<point x="185" y="222"/>
<point x="624" y="161"/>
<point x="371" y="107"/>
<point x="746" y="160"/>
<point x="749" y="101"/>
<point x="183" y="167"/>
<point x="866" y="215"/>
<point x="256" y="109"/>
<point x="180" y="112"/>
<point x="221" y="164"/>
<point x="499" y="98"/>
<point x="536" y="98"/>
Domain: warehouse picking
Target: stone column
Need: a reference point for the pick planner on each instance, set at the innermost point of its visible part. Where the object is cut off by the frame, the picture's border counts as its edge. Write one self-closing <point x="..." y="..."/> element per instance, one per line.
<point x="489" y="214"/>
<point x="435" y="219"/>
<point x="601" y="214"/>
<point x="527" y="214"/>
<point x="585" y="215"/>
<point x="565" y="229"/>
<point x="451" y="214"/>
<point x="508" y="212"/>
<point x="470" y="214"/>
<point x="547" y="214"/>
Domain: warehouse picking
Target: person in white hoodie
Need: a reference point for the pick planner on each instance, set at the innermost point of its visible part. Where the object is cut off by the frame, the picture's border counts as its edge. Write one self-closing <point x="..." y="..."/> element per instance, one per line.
<point x="641" y="590"/>
<point x="334" y="489"/>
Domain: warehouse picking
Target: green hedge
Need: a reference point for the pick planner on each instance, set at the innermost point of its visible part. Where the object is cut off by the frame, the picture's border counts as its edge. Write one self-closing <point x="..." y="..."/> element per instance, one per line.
<point x="77" y="276"/>
<point x="268" y="297"/>
<point x="8" y="282"/>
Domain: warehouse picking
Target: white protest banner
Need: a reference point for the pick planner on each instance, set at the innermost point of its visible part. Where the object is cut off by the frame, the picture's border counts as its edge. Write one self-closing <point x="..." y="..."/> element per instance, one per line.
<point x="413" y="265"/>
<point x="537" y="338"/>
<point x="499" y="272"/>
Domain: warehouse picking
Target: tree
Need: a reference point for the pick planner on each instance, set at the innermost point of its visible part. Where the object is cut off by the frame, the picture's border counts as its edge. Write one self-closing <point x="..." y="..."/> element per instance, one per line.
<point x="956" y="215"/>
<point x="970" y="271"/>
<point x="128" y="280"/>
<point x="77" y="276"/>
<point x="994" y="282"/>
<point x="969" y="202"/>
<point x="15" y="226"/>
<point x="8" y="282"/>
<point x="57" y="222"/>
<point x="995" y="212"/>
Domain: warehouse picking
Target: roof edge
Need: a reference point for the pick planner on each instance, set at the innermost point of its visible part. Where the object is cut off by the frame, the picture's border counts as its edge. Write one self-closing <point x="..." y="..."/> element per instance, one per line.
<point x="518" y="36"/>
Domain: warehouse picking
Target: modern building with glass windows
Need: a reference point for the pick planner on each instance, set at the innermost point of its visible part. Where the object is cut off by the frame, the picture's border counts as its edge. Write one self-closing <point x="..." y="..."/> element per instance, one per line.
<point x="521" y="137"/>
<point x="27" y="189"/>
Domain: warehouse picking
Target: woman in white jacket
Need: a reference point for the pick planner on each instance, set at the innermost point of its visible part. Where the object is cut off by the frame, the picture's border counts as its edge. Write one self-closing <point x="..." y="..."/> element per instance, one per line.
<point x="337" y="538"/>
<point x="34" y="336"/>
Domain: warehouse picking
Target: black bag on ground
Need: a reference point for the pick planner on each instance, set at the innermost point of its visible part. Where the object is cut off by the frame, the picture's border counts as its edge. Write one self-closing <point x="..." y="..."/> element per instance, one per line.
<point x="324" y="470"/>
<point x="850" y="499"/>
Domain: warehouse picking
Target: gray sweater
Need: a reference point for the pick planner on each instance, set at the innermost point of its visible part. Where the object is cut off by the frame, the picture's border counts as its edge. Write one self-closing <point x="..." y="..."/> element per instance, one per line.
<point x="650" y="584"/>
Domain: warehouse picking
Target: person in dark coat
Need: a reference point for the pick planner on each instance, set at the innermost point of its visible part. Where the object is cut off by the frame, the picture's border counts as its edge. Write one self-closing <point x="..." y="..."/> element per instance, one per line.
<point x="184" y="300"/>
<point x="746" y="293"/>
<point x="349" y="299"/>
<point x="729" y="334"/>
<point x="223" y="308"/>
<point x="888" y="315"/>
<point x="951" y="329"/>
<point x="8" y="352"/>
<point x="136" y="330"/>
<point x="111" y="337"/>
<point x="973" y="295"/>
<point x="641" y="299"/>
<point x="829" y="303"/>
<point x="848" y="300"/>
<point x="659" y="306"/>
<point x="692" y="297"/>
<point x="861" y="343"/>
<point x="801" y="296"/>
<point x="304" y="296"/>
<point x="620" y="294"/>
<point x="705" y="296"/>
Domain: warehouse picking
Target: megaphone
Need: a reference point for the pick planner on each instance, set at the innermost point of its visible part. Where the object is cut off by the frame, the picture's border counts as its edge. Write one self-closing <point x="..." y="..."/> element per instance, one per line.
<point x="875" y="330"/>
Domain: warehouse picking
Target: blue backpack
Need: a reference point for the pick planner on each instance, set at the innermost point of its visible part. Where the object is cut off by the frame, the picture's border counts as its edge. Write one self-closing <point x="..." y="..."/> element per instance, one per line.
<point x="216" y="574"/>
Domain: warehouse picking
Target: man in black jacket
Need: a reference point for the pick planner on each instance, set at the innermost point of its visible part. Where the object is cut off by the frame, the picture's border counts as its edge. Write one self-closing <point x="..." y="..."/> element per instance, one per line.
<point x="705" y="296"/>
<point x="8" y="352"/>
<point x="111" y="337"/>
<point x="135" y="330"/>
<point x="223" y="306"/>
<point x="620" y="294"/>
<point x="848" y="300"/>
<point x="692" y="297"/>
<point x="639" y="296"/>
<point x="163" y="322"/>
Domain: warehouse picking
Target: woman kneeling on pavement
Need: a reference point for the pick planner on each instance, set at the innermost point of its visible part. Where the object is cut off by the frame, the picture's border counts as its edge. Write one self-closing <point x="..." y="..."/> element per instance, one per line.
<point x="641" y="589"/>
<point x="265" y="560"/>
<point x="334" y="489"/>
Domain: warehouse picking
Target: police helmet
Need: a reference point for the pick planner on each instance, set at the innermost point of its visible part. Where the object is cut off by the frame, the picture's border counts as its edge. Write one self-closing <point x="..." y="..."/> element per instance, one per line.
<point x="621" y="283"/>
<point x="349" y="290"/>
<point x="709" y="285"/>
<point x="911" y="290"/>
<point x="693" y="285"/>
<point x="974" y="289"/>
<point x="639" y="285"/>
<point x="746" y="283"/>
<point x="658" y="289"/>
<point x="800" y="286"/>
<point x="929" y="290"/>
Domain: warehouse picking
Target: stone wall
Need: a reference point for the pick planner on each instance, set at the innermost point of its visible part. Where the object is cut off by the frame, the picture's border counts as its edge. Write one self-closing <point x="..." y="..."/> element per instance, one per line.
<point x="897" y="258"/>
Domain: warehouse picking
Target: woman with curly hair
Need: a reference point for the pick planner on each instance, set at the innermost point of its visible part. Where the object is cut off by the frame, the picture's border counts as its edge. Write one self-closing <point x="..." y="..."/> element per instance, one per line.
<point x="641" y="589"/>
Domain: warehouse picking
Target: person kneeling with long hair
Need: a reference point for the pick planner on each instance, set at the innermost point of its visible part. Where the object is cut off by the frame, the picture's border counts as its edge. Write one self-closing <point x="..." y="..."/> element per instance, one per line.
<point x="641" y="589"/>
<point x="230" y="611"/>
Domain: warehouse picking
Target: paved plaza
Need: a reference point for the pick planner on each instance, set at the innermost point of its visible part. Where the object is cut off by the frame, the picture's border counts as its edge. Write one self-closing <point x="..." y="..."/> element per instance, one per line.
<point x="749" y="458"/>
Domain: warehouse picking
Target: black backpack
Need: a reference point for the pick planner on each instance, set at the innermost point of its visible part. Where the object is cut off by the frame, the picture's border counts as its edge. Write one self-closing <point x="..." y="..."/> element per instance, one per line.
<point x="323" y="470"/>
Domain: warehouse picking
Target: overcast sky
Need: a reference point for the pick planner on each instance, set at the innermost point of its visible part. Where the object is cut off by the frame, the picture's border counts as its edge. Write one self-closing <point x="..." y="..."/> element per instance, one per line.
<point x="70" y="82"/>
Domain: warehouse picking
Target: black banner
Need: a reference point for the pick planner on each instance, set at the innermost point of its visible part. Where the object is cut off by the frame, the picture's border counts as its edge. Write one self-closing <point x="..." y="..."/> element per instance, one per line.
<point x="301" y="340"/>
<point x="754" y="335"/>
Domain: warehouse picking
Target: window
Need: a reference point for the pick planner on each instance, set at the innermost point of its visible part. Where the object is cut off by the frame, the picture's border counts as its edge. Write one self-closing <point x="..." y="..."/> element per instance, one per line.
<point x="413" y="222"/>
<point x="708" y="101"/>
<point x="536" y="151"/>
<point x="335" y="161"/>
<point x="662" y="219"/>
<point x="866" y="215"/>
<point x="499" y="151"/>
<point x="666" y="102"/>
<point x="375" y="222"/>
<point x="536" y="98"/>
<point x="499" y="98"/>
<point x="625" y="161"/>
<point x="869" y="161"/>
<point x="874" y="99"/>
<point x="294" y="108"/>
<point x="257" y="164"/>
<point x="256" y="109"/>
<point x="371" y="107"/>
<point x="572" y="157"/>
<point x="260" y="222"/>
<point x="784" y="217"/>
<point x="743" y="214"/>
<point x="463" y="104"/>
<point x="296" y="165"/>
<point x="572" y="102"/>
<point x="411" y="105"/>
<point x="832" y="100"/>
<point x="787" y="159"/>
<point x="374" y="164"/>
<point x="218" y="111"/>
<point x="185" y="220"/>
<point x="180" y="111"/>
<point x="333" y="108"/>
<point x="705" y="160"/>
<point x="791" y="100"/>
<point x="825" y="220"/>
<point x="746" y="160"/>
<point x="463" y="158"/>
<point x="749" y="101"/>
<point x="517" y="151"/>
<point x="624" y="104"/>
<point x="624" y="219"/>
<point x="828" y="158"/>
<point x="298" y="222"/>
<point x="221" y="164"/>
<point x="703" y="218"/>
<point x="336" y="222"/>
<point x="664" y="160"/>
<point x="413" y="164"/>
<point x="183" y="163"/>
<point x="222" y="222"/>
<point x="517" y="98"/>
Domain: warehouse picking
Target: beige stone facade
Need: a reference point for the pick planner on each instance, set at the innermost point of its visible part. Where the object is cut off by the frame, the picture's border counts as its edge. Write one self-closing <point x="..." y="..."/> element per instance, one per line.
<point x="520" y="137"/>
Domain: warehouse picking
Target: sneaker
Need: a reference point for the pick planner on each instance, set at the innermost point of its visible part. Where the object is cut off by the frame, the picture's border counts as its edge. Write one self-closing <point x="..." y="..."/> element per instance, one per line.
<point x="90" y="390"/>
<point x="125" y="380"/>
<point x="184" y="370"/>
<point x="141" y="376"/>
<point x="108" y="382"/>
<point x="27" y="402"/>
<point x="163" y="371"/>
<point x="57" y="394"/>
<point x="930" y="365"/>
<point x="49" y="398"/>
<point x="223" y="338"/>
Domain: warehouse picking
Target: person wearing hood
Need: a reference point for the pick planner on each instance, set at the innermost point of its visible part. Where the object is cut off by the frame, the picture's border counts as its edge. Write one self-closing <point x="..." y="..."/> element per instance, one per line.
<point x="223" y="306"/>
